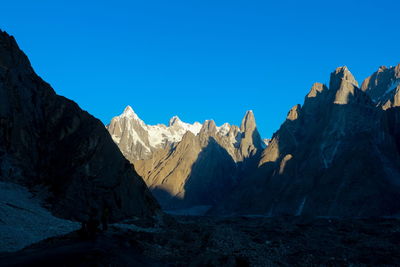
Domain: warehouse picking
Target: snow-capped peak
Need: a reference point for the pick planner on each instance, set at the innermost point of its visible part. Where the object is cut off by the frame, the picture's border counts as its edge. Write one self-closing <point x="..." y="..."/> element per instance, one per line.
<point x="128" y="112"/>
<point x="127" y="129"/>
<point x="139" y="140"/>
<point x="181" y="126"/>
<point x="174" y="120"/>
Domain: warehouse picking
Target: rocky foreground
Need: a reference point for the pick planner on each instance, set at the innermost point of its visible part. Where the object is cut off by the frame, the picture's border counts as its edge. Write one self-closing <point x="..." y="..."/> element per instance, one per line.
<point x="234" y="241"/>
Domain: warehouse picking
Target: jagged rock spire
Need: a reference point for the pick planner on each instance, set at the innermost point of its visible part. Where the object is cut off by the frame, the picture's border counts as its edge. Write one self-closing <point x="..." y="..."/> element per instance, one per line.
<point x="248" y="122"/>
<point x="251" y="142"/>
<point x="344" y="84"/>
<point x="339" y="76"/>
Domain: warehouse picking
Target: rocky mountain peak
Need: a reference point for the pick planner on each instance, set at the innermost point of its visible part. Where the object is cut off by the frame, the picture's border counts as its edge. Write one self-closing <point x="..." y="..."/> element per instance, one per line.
<point x="341" y="76"/>
<point x="209" y="126"/>
<point x="316" y="89"/>
<point x="294" y="112"/>
<point x="128" y="112"/>
<point x="138" y="140"/>
<point x="224" y="129"/>
<point x="11" y="57"/>
<point x="174" y="121"/>
<point x="251" y="142"/>
<point x="343" y="84"/>
<point x="382" y="68"/>
<point x="381" y="84"/>
<point x="248" y="122"/>
<point x="319" y="144"/>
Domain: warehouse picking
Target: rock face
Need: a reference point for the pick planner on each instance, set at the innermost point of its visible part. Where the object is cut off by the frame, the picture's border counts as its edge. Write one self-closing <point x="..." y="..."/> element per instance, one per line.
<point x="251" y="139"/>
<point x="337" y="155"/>
<point x="46" y="140"/>
<point x="386" y="81"/>
<point x="189" y="165"/>
<point x="383" y="87"/>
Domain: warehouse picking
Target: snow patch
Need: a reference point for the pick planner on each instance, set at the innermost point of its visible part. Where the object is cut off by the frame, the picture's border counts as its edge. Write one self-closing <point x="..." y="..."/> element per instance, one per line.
<point x="129" y="113"/>
<point x="24" y="221"/>
<point x="265" y="142"/>
<point x="116" y="138"/>
<point x="392" y="86"/>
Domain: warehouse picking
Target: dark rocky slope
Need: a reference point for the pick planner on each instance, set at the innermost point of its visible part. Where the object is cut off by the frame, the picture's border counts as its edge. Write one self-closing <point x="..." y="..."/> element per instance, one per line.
<point x="46" y="140"/>
<point x="337" y="155"/>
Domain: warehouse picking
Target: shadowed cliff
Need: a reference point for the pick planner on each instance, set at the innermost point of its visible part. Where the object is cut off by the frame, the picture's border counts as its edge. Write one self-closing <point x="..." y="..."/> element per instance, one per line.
<point x="47" y="142"/>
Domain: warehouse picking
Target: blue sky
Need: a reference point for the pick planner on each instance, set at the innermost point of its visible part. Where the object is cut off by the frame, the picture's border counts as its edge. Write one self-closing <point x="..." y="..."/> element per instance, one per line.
<point x="200" y="59"/>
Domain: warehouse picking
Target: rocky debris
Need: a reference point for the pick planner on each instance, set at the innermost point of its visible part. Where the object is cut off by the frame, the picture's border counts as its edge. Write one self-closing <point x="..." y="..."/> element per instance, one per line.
<point x="47" y="140"/>
<point x="24" y="220"/>
<point x="230" y="241"/>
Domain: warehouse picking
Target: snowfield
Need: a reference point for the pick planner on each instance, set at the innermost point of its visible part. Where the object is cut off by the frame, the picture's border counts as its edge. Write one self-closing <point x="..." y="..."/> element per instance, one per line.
<point x="24" y="221"/>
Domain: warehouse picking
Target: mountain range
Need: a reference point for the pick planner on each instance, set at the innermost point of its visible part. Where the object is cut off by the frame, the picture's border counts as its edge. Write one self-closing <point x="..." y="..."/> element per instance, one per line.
<point x="335" y="155"/>
<point x="185" y="164"/>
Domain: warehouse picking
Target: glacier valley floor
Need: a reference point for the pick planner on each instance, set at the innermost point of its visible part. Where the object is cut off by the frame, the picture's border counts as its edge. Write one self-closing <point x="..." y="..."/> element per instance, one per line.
<point x="229" y="241"/>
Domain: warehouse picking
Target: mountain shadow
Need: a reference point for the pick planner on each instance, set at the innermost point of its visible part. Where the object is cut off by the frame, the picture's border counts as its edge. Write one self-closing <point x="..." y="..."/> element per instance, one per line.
<point x="211" y="178"/>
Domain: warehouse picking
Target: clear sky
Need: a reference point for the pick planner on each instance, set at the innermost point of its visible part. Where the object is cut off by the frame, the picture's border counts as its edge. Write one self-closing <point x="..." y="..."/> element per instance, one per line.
<point x="200" y="59"/>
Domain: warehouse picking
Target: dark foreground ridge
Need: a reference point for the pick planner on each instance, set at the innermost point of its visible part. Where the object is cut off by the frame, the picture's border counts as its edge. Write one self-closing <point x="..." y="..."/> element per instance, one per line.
<point x="234" y="241"/>
<point x="52" y="146"/>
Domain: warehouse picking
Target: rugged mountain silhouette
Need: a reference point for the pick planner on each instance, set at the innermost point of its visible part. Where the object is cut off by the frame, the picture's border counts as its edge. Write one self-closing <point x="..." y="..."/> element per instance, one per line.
<point x="337" y="155"/>
<point x="383" y="86"/>
<point x="186" y="165"/>
<point x="48" y="142"/>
